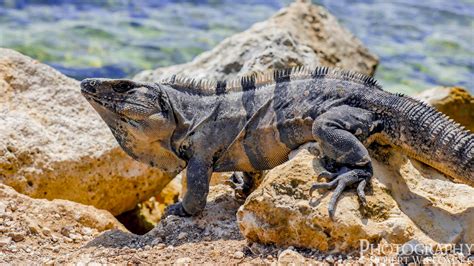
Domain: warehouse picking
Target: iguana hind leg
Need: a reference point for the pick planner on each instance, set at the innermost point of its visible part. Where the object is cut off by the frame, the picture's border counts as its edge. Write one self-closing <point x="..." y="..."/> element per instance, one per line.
<point x="340" y="132"/>
<point x="244" y="183"/>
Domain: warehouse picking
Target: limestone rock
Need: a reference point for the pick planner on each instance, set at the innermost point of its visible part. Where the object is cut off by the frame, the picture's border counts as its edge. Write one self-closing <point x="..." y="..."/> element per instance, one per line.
<point x="290" y="257"/>
<point x="455" y="102"/>
<point x="217" y="221"/>
<point x="53" y="145"/>
<point x="56" y="215"/>
<point x="301" y="34"/>
<point x="408" y="200"/>
<point x="183" y="261"/>
<point x="31" y="224"/>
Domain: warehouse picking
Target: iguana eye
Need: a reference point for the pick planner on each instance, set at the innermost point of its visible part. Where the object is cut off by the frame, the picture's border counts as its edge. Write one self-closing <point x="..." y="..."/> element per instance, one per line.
<point x="122" y="87"/>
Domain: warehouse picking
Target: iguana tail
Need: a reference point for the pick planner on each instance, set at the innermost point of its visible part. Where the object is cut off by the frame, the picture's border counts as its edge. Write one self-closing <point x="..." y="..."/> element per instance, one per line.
<point x="431" y="137"/>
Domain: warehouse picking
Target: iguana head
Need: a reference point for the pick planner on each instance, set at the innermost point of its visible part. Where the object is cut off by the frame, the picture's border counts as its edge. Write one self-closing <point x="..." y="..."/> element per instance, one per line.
<point x="140" y="117"/>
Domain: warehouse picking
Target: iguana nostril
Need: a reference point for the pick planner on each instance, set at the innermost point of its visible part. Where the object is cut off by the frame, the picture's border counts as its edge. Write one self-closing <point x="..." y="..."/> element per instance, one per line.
<point x="88" y="85"/>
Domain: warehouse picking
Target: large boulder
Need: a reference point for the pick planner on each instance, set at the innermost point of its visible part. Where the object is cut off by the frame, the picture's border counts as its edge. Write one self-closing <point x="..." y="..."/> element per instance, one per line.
<point x="53" y="145"/>
<point x="301" y="34"/>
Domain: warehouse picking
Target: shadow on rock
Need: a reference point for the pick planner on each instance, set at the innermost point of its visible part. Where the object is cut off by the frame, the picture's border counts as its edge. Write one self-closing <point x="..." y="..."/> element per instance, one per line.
<point x="115" y="239"/>
<point x="218" y="221"/>
<point x="438" y="207"/>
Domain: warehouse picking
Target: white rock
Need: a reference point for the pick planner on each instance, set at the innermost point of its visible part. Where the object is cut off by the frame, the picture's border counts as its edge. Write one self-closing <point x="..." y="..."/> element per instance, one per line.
<point x="183" y="261"/>
<point x="330" y="259"/>
<point x="75" y="236"/>
<point x="5" y="241"/>
<point x="290" y="257"/>
<point x="182" y="235"/>
<point x="239" y="255"/>
<point x="86" y="231"/>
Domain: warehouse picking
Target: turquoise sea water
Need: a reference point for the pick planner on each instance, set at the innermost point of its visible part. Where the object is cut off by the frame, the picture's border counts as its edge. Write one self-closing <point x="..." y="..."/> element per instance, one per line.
<point x="421" y="44"/>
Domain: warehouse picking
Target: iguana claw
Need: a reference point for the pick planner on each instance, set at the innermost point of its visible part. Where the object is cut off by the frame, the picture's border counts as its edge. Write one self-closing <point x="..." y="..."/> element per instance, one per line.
<point x="328" y="175"/>
<point x="343" y="180"/>
<point x="244" y="183"/>
<point x="176" y="209"/>
<point x="361" y="192"/>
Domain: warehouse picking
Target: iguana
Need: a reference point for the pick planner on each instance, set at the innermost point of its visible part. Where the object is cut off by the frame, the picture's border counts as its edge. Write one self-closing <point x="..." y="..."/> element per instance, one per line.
<point x="252" y="123"/>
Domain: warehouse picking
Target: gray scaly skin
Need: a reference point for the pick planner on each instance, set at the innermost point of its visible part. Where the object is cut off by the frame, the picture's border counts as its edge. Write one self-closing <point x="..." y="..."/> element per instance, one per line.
<point x="252" y="124"/>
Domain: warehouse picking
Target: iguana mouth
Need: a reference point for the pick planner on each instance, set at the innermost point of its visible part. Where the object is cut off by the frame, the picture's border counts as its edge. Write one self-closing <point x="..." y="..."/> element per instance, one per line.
<point x="114" y="104"/>
<point x="110" y="101"/>
<point x="95" y="99"/>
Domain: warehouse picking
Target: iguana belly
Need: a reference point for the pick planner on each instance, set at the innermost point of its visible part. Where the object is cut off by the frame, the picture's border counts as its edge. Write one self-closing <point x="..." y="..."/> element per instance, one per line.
<point x="271" y="132"/>
<point x="259" y="145"/>
<point x="254" y="150"/>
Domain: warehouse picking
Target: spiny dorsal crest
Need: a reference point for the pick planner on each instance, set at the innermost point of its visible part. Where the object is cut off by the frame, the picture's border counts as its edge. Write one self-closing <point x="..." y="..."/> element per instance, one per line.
<point x="425" y="114"/>
<point x="257" y="80"/>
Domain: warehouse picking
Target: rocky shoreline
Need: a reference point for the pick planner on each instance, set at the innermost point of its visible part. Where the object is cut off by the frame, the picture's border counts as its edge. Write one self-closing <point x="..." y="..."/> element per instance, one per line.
<point x="63" y="177"/>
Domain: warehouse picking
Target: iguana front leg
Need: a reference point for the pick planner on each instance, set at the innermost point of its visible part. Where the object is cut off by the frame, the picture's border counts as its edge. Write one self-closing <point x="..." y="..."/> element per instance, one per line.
<point x="198" y="174"/>
<point x="340" y="132"/>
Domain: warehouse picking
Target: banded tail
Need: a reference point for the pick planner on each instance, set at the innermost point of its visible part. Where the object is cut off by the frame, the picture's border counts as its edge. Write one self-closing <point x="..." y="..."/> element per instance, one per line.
<point x="433" y="138"/>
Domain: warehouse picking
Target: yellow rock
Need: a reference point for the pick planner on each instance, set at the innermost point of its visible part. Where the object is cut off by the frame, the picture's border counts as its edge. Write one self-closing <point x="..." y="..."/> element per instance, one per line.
<point x="50" y="217"/>
<point x="53" y="145"/>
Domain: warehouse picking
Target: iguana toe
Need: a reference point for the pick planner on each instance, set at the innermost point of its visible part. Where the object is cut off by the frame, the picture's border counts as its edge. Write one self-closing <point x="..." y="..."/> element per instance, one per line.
<point x="235" y="180"/>
<point x="343" y="180"/>
<point x="361" y="192"/>
<point x="244" y="183"/>
<point x="329" y="175"/>
<point x="176" y="209"/>
<point x="327" y="185"/>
